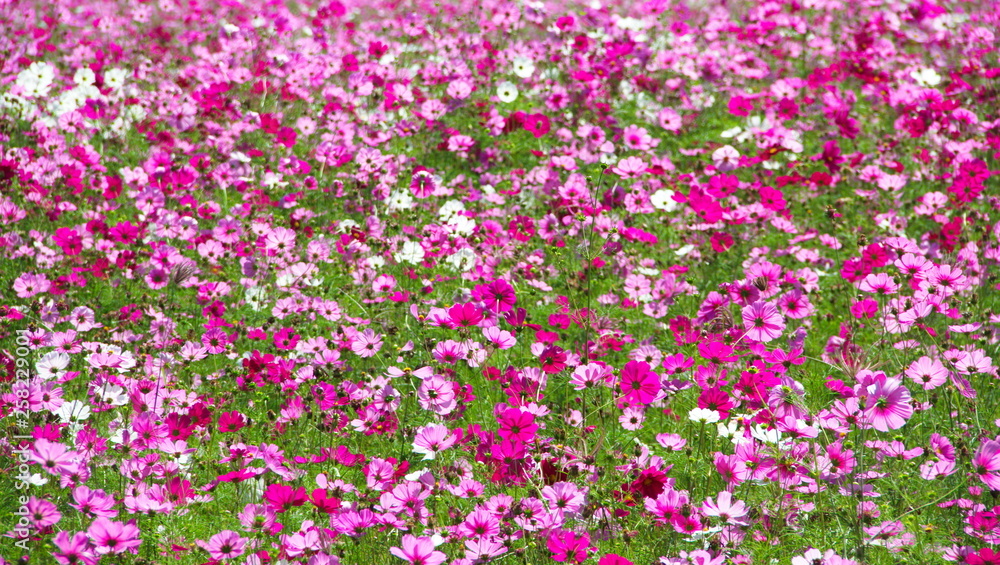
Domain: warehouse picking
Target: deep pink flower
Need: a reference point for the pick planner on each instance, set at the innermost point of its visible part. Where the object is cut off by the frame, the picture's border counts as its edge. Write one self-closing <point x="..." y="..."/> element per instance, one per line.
<point x="498" y="295"/>
<point x="516" y="425"/>
<point x="231" y="422"/>
<point x="282" y="498"/>
<point x="568" y="546"/>
<point x="537" y="124"/>
<point x="866" y="308"/>
<point x="639" y="384"/>
<point x="716" y="399"/>
<point x="553" y="359"/>
<point x="70" y="241"/>
<point x="465" y="315"/>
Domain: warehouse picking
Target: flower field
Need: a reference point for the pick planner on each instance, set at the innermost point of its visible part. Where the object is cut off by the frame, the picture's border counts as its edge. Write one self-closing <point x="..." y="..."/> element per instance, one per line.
<point x="678" y="282"/>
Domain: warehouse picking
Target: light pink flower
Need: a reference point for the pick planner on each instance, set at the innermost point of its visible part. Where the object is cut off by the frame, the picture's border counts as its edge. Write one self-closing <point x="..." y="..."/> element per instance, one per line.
<point x="418" y="551"/>
<point x="726" y="158"/>
<point x="629" y="167"/>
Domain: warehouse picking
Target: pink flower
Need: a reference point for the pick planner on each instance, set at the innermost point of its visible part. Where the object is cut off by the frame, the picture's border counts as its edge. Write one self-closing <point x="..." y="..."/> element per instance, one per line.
<point x="226" y="544"/>
<point x="366" y="343"/>
<point x="762" y="321"/>
<point x="629" y="167"/>
<point x="432" y="440"/>
<point x="888" y="404"/>
<point x="502" y="339"/>
<point x="42" y="513"/>
<point x="632" y="418"/>
<point x="927" y="372"/>
<point x="418" y="551"/>
<point x="725" y="509"/>
<point x="114" y="537"/>
<point x="74" y="550"/>
<point x="879" y="283"/>
<point x="986" y="464"/>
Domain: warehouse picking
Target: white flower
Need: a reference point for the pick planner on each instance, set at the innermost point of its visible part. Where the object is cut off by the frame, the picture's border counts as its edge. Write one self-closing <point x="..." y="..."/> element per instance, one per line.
<point x="53" y="364"/>
<point x="450" y="209"/>
<point x="254" y="297"/>
<point x="462" y="260"/>
<point x="84" y="77"/>
<point x="926" y="77"/>
<point x="728" y="428"/>
<point x="731" y="132"/>
<point x="703" y="415"/>
<point x="112" y="394"/>
<point x="73" y="411"/>
<point x="764" y="435"/>
<point x="36" y="79"/>
<point x="462" y="225"/>
<point x="523" y="67"/>
<point x="507" y="92"/>
<point x="410" y="252"/>
<point x="115" y="78"/>
<point x="684" y="250"/>
<point x="663" y="199"/>
<point x="400" y="200"/>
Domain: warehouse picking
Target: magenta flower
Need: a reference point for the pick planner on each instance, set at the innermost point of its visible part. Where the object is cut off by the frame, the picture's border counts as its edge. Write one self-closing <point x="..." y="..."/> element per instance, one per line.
<point x="568" y="546"/>
<point x="498" y="296"/>
<point x="42" y="513"/>
<point x="762" y="321"/>
<point x="553" y="359"/>
<point x="537" y="124"/>
<point x="418" y="551"/>
<point x="465" y="315"/>
<point x="614" y="559"/>
<point x="516" y="425"/>
<point x="639" y="384"/>
<point x="114" y="537"/>
<point x="282" y="498"/>
<point x="286" y="339"/>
